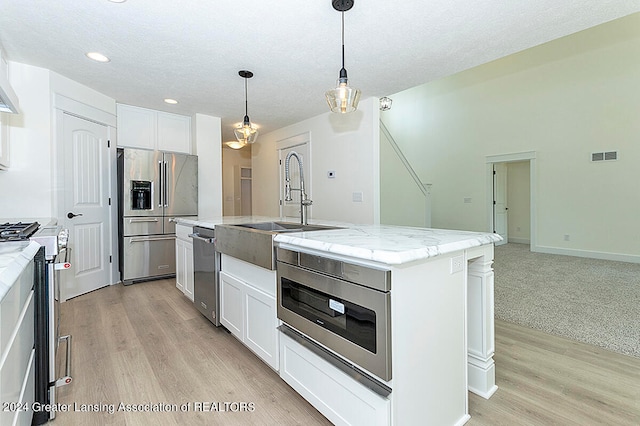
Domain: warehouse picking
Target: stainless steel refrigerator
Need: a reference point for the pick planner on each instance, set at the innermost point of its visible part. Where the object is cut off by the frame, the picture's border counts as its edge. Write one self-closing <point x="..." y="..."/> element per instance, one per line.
<point x="154" y="188"/>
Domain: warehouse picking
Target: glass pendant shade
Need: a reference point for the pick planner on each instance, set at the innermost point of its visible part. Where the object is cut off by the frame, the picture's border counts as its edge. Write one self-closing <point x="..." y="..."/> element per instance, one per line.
<point x="343" y="99"/>
<point x="235" y="144"/>
<point x="246" y="132"/>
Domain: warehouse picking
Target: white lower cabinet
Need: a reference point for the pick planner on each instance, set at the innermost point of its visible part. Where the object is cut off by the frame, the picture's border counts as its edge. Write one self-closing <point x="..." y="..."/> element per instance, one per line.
<point x="4" y="141"/>
<point x="248" y="308"/>
<point x="184" y="261"/>
<point x="17" y="353"/>
<point x="332" y="392"/>
<point x="260" y="325"/>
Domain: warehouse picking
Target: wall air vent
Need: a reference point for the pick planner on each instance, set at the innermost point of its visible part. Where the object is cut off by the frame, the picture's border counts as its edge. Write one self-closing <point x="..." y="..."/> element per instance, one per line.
<point x="604" y="156"/>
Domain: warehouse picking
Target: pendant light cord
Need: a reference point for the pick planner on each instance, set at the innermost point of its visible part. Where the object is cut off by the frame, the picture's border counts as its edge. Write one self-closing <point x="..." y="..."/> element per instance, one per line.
<point x="246" y="102"/>
<point x="343" y="40"/>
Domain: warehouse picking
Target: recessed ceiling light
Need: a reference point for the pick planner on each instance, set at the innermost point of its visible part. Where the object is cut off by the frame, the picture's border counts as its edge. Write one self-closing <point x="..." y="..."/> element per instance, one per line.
<point x="117" y="1"/>
<point x="171" y="101"/>
<point x="99" y="57"/>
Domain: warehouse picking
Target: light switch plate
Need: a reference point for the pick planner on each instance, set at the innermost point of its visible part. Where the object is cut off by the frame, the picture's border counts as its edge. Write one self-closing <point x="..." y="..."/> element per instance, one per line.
<point x="357" y="197"/>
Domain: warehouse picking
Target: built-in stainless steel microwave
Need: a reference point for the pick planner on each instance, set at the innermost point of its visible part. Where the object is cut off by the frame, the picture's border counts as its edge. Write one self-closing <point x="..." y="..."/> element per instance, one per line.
<point x="343" y="306"/>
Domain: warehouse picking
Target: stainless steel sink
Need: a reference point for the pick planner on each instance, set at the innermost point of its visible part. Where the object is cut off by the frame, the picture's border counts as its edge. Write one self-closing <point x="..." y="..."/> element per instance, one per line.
<point x="253" y="242"/>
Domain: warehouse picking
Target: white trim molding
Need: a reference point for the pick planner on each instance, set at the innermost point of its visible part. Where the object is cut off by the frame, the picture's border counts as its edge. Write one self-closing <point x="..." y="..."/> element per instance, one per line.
<point x="533" y="183"/>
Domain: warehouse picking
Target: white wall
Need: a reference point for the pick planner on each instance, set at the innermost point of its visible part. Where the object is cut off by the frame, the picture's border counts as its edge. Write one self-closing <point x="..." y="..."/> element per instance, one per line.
<point x="208" y="134"/>
<point x="347" y="144"/>
<point x="401" y="200"/>
<point x="32" y="139"/>
<point x="563" y="100"/>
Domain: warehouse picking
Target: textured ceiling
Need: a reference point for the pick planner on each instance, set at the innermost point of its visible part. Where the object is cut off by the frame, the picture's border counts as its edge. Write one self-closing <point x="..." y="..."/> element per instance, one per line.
<point x="192" y="50"/>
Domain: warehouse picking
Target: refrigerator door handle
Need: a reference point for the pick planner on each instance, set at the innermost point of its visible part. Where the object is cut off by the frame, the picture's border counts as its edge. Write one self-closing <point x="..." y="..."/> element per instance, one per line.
<point x="160" y="182"/>
<point x="166" y="191"/>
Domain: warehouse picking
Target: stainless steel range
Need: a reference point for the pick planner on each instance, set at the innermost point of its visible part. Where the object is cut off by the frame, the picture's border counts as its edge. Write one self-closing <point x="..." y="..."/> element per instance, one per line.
<point x="47" y="313"/>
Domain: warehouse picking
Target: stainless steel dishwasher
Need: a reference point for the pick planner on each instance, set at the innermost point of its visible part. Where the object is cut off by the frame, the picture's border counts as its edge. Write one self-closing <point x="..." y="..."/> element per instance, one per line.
<point x="206" y="265"/>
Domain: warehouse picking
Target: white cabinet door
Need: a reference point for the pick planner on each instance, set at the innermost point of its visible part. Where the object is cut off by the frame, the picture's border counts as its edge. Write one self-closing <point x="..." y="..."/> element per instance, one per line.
<point x="260" y="332"/>
<point x="188" y="278"/>
<point x="181" y="266"/>
<point x="174" y="132"/>
<point x="136" y="127"/>
<point x="184" y="261"/>
<point x="4" y="141"/>
<point x="335" y="394"/>
<point x="231" y="306"/>
<point x="250" y="315"/>
<point x="150" y="129"/>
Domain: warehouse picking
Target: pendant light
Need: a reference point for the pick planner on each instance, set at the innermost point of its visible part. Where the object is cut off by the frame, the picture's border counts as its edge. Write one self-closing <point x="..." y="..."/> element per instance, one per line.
<point x="246" y="132"/>
<point x="343" y="99"/>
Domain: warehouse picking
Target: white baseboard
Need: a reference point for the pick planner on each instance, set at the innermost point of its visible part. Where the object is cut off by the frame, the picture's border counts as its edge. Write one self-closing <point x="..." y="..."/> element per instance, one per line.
<point x="620" y="257"/>
<point x="519" y="240"/>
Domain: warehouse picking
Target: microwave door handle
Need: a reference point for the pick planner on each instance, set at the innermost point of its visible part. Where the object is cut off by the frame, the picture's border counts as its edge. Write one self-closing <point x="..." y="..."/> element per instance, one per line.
<point x="160" y="177"/>
<point x="166" y="189"/>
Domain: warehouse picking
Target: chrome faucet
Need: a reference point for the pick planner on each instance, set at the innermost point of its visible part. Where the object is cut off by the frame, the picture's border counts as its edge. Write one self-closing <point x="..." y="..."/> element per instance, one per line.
<point x="304" y="201"/>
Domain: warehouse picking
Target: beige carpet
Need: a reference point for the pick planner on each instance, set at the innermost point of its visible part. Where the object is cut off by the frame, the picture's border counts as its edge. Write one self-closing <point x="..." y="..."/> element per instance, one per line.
<point x="589" y="300"/>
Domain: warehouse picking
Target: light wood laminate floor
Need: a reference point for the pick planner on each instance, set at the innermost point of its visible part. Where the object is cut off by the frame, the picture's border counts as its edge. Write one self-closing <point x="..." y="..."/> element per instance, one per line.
<point x="146" y="343"/>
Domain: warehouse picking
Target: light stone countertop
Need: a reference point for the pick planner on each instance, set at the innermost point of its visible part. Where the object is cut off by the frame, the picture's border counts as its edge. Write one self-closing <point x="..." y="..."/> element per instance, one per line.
<point x="392" y="245"/>
<point x="14" y="258"/>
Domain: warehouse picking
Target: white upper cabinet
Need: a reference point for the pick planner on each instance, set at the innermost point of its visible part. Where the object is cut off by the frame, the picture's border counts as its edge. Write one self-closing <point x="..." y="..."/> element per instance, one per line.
<point x="4" y="141"/>
<point x="150" y="129"/>
<point x="174" y="132"/>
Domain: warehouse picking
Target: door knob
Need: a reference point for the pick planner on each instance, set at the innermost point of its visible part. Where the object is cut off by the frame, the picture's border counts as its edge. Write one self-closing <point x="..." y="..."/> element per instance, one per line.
<point x="71" y="215"/>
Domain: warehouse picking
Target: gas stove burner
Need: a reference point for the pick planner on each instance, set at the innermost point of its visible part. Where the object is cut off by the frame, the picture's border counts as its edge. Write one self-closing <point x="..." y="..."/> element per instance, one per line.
<point x="17" y="231"/>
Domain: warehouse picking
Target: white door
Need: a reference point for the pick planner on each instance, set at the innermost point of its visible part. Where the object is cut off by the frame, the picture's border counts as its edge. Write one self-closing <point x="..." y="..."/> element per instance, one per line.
<point x="86" y="206"/>
<point x="500" y="209"/>
<point x="291" y="209"/>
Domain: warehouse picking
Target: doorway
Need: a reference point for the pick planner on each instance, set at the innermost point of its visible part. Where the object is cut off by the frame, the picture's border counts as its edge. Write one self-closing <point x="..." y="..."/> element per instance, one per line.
<point x="243" y="182"/>
<point x="511" y="197"/>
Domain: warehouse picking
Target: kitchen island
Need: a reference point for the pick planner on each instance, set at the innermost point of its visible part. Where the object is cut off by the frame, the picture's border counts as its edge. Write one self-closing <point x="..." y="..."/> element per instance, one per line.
<point x="441" y="323"/>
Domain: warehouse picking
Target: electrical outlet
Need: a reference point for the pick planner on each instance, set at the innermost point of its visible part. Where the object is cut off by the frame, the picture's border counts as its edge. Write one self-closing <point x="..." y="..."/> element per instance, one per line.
<point x="566" y="237"/>
<point x="457" y="264"/>
<point x="357" y="197"/>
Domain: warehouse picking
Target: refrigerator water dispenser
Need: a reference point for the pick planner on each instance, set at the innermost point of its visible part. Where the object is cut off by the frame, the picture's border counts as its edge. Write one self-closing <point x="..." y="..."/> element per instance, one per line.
<point x="140" y="195"/>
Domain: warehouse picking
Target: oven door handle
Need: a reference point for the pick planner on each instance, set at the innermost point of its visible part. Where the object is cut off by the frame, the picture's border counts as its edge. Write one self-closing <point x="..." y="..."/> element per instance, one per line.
<point x="66" y="379"/>
<point x="66" y="264"/>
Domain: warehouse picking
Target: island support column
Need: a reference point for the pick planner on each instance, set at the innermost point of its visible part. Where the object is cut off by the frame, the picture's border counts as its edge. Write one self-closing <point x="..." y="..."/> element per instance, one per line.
<point x="480" y="321"/>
